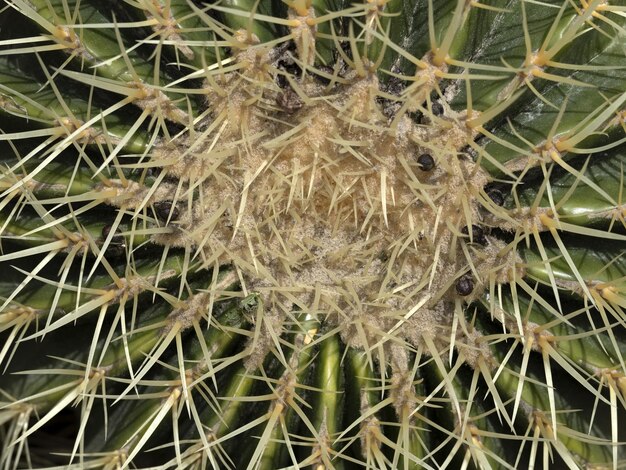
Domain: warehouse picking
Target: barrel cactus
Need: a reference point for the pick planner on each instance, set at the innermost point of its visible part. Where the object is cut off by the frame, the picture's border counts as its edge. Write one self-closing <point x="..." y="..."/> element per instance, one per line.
<point x="312" y="234"/>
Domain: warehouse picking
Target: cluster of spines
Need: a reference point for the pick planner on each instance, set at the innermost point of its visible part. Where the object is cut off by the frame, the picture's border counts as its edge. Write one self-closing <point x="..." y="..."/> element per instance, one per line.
<point x="606" y="296"/>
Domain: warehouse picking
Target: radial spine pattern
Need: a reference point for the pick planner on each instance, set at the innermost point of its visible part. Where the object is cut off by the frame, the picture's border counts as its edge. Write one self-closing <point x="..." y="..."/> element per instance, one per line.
<point x="312" y="234"/>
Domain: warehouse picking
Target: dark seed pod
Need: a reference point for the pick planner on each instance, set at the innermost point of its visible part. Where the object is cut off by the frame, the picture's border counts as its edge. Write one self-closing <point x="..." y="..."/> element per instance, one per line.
<point x="165" y="210"/>
<point x="478" y="234"/>
<point x="436" y="108"/>
<point x="464" y="285"/>
<point x="496" y="196"/>
<point x="426" y="162"/>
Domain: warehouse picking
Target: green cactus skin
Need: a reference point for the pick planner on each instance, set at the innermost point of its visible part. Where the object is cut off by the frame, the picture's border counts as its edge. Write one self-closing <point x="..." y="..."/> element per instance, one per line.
<point x="312" y="234"/>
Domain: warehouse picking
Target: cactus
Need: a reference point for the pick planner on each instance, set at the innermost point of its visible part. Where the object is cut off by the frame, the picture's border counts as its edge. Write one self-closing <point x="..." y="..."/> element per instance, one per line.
<point x="312" y="234"/>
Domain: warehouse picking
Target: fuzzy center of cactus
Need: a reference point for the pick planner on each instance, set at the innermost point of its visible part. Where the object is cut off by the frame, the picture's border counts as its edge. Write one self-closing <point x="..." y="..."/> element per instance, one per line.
<point x="328" y="202"/>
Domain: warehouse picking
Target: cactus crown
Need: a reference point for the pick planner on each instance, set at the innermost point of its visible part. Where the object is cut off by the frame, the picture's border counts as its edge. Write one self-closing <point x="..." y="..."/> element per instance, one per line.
<point x="360" y="234"/>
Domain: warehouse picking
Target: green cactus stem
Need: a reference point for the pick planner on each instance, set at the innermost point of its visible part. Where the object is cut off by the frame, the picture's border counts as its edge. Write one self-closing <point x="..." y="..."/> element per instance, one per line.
<point x="312" y="234"/>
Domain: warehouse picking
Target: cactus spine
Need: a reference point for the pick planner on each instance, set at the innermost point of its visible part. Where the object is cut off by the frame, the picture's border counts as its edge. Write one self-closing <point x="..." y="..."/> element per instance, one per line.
<point x="312" y="233"/>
